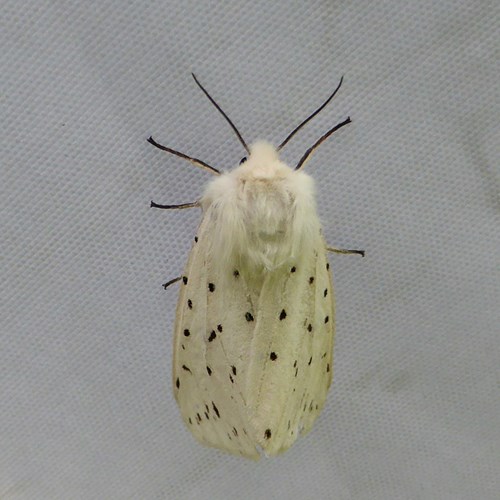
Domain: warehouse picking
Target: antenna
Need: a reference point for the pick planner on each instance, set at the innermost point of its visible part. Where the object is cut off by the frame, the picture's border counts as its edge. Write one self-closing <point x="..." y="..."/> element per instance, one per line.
<point x="295" y="130"/>
<point x="222" y="113"/>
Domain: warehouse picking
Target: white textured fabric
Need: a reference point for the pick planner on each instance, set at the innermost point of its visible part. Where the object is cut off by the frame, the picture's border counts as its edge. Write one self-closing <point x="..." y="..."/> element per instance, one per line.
<point x="87" y="410"/>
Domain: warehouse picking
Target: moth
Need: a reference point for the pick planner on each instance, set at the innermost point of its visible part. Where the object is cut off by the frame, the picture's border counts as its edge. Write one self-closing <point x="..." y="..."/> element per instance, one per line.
<point x="254" y="328"/>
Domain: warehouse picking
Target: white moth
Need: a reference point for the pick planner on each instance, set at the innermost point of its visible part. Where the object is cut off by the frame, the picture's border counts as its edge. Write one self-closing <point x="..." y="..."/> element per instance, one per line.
<point x="255" y="319"/>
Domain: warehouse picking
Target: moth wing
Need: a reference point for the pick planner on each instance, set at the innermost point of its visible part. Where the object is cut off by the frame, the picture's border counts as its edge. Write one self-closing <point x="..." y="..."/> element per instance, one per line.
<point x="323" y="336"/>
<point x="209" y="362"/>
<point x="291" y="353"/>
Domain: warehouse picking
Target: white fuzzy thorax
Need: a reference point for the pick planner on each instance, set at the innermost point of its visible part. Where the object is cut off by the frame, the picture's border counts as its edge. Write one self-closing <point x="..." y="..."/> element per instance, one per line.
<point x="264" y="212"/>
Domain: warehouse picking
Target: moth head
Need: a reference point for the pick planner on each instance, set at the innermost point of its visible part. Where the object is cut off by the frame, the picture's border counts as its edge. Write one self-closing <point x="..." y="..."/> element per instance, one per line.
<point x="262" y="162"/>
<point x="261" y="150"/>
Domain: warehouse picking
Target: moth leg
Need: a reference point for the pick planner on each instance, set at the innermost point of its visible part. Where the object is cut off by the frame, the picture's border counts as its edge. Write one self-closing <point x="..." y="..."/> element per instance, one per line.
<point x="171" y="282"/>
<point x="176" y="207"/>
<point x="346" y="251"/>
<point x="173" y="207"/>
<point x="194" y="161"/>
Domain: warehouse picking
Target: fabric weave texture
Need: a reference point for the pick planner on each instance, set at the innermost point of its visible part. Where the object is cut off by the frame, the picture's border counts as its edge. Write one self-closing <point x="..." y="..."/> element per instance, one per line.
<point x="87" y="409"/>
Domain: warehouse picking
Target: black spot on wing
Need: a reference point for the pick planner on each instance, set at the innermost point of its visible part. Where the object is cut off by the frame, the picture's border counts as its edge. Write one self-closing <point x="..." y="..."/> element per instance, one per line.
<point x="216" y="410"/>
<point x="248" y="316"/>
<point x="282" y="315"/>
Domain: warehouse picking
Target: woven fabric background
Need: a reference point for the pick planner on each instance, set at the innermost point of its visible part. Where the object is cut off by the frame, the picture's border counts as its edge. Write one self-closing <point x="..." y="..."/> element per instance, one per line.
<point x="87" y="410"/>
